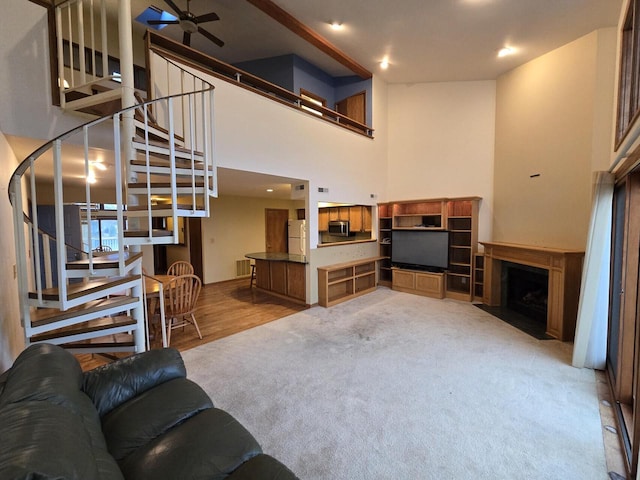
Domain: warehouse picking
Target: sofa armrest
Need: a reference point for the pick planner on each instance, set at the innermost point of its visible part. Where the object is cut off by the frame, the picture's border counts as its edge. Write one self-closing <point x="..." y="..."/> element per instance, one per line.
<point x="111" y="385"/>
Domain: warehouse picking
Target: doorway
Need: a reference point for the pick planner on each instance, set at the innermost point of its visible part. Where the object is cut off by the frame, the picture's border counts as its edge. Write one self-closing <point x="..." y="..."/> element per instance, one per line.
<point x="276" y="223"/>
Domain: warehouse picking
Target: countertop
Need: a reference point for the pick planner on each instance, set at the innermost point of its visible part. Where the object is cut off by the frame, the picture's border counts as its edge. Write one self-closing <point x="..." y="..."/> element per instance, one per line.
<point x="277" y="257"/>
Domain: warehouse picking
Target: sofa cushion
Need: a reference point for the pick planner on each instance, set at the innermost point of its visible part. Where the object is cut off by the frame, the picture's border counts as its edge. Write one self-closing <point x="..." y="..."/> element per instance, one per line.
<point x="48" y="427"/>
<point x="113" y="384"/>
<point x="262" y="467"/>
<point x="149" y="415"/>
<point x="209" y="445"/>
<point x="42" y="372"/>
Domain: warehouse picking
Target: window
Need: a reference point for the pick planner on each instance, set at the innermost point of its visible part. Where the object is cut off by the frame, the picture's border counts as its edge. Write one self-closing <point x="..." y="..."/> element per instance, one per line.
<point x="629" y="81"/>
<point x="103" y="227"/>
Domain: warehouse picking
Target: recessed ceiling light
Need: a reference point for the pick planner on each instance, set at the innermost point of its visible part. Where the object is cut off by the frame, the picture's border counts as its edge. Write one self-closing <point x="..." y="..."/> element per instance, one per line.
<point x="97" y="164"/>
<point x="505" y="51"/>
<point x="336" y="26"/>
<point x="384" y="64"/>
<point x="269" y="190"/>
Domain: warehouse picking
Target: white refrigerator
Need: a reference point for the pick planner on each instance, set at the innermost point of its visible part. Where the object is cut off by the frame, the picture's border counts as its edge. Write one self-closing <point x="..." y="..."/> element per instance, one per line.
<point x="297" y="237"/>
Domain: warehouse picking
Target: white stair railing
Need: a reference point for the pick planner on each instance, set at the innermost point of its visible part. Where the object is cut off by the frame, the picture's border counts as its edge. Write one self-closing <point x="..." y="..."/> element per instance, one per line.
<point x="104" y="134"/>
<point x="91" y="41"/>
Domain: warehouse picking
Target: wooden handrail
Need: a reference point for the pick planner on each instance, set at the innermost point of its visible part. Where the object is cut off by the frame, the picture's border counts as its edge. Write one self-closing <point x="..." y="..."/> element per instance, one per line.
<point x="178" y="52"/>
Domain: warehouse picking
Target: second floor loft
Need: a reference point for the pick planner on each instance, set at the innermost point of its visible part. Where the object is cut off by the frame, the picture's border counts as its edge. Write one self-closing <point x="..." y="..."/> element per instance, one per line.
<point x="289" y="79"/>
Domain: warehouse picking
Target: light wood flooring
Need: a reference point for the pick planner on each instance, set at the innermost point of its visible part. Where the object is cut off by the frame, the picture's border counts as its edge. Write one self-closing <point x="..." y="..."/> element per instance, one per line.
<point x="223" y="309"/>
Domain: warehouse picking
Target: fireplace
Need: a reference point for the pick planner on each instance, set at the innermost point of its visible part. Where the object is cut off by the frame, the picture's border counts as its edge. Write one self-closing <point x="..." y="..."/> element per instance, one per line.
<point x="525" y="290"/>
<point x="563" y="271"/>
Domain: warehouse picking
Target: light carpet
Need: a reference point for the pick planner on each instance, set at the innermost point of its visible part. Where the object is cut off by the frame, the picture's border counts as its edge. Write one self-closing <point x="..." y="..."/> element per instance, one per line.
<point x="397" y="386"/>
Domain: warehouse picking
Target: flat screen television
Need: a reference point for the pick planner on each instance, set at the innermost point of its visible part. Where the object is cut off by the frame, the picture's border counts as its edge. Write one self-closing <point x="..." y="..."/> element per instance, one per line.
<point x="422" y="249"/>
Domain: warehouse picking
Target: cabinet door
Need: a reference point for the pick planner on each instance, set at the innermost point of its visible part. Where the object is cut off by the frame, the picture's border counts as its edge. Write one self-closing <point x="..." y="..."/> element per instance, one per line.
<point x="323" y="219"/>
<point x="263" y="275"/>
<point x="334" y="214"/>
<point x="355" y="218"/>
<point x="279" y="277"/>
<point x="404" y="279"/>
<point x="296" y="281"/>
<point x="366" y="219"/>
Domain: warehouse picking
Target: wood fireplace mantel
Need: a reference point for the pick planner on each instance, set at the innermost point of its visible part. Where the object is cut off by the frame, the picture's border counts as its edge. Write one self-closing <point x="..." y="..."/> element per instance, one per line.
<point x="565" y="274"/>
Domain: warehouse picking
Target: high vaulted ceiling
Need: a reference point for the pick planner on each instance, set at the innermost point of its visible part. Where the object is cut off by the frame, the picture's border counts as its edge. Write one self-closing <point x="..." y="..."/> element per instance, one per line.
<point x="424" y="40"/>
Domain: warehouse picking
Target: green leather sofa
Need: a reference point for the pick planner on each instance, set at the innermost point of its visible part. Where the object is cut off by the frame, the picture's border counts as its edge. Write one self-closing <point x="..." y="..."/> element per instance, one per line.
<point x="136" y="418"/>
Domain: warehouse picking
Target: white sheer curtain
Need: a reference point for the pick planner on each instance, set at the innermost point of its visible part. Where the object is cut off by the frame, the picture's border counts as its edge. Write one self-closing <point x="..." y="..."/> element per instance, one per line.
<point x="590" y="344"/>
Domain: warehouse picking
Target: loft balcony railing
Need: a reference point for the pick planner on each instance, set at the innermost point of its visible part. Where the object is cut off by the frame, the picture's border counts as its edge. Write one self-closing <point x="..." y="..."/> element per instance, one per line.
<point x="171" y="49"/>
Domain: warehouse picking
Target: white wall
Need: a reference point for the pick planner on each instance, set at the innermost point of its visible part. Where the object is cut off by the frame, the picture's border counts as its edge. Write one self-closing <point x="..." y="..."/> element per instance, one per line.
<point x="11" y="333"/>
<point x="236" y="227"/>
<point x="441" y="143"/>
<point x="554" y="120"/>
<point x="25" y="90"/>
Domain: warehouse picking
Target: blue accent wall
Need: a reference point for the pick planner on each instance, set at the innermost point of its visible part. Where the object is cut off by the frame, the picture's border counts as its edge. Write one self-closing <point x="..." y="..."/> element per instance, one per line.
<point x="311" y="78"/>
<point x="294" y="73"/>
<point x="277" y="70"/>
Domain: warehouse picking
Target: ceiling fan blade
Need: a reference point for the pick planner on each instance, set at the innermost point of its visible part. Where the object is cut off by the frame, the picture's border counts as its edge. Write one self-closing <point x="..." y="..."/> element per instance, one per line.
<point x="163" y="22"/>
<point x="186" y="39"/>
<point x="211" y="37"/>
<point x="207" y="17"/>
<point x="174" y="7"/>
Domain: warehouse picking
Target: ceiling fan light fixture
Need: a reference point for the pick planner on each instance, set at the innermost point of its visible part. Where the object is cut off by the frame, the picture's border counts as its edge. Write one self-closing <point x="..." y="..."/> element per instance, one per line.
<point x="188" y="26"/>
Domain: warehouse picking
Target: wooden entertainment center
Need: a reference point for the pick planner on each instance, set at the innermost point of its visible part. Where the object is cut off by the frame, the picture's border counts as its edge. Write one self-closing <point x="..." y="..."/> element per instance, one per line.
<point x="459" y="216"/>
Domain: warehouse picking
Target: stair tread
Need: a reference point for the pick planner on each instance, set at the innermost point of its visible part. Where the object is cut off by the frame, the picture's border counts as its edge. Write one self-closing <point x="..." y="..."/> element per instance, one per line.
<point x="44" y="316"/>
<point x="140" y="143"/>
<point x="77" y="290"/>
<point x="164" y="162"/>
<point x="89" y="326"/>
<point x="179" y="184"/>
<point x="145" y="233"/>
<point x="104" y="261"/>
<point x="162" y="206"/>
<point x="117" y="340"/>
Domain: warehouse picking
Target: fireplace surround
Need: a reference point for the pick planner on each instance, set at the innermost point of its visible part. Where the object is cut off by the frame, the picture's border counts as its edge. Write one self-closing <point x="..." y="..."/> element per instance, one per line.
<point x="564" y="273"/>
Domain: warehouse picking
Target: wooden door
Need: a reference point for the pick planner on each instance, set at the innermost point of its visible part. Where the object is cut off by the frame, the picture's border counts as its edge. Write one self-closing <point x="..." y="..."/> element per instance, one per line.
<point x="195" y="246"/>
<point x="276" y="230"/>
<point x="353" y="107"/>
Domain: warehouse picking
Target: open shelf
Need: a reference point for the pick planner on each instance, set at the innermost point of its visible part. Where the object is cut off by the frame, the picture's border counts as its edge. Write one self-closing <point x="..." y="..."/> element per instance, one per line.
<point x="340" y="282"/>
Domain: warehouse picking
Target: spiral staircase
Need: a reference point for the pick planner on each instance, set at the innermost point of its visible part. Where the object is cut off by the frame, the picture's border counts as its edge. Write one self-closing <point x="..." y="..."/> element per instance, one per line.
<point x="159" y="159"/>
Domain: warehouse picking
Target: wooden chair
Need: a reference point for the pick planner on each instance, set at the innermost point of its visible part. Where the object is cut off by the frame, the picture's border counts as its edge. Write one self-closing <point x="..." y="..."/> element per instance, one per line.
<point x="252" y="281"/>
<point x="180" y="297"/>
<point x="180" y="268"/>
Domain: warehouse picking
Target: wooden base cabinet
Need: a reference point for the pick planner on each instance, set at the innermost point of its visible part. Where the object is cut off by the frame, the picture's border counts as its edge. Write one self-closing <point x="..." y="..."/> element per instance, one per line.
<point x="420" y="283"/>
<point x="284" y="279"/>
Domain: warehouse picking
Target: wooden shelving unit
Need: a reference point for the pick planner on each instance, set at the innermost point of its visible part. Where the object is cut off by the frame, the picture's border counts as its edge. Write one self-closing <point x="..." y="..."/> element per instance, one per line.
<point x="385" y="224"/>
<point x="343" y="281"/>
<point x="457" y="215"/>
<point x="478" y="276"/>
<point x="462" y="218"/>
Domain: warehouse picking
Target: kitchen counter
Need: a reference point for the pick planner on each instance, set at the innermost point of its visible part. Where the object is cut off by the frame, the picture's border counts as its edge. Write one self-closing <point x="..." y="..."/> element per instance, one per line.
<point x="281" y="274"/>
<point x="277" y="257"/>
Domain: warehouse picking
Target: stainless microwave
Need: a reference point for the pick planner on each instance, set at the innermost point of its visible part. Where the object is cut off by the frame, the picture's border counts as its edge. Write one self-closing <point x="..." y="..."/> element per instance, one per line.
<point x="339" y="227"/>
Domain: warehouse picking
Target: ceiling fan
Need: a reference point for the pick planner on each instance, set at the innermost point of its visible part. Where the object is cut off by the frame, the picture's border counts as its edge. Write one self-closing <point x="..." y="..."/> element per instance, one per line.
<point x="189" y="23"/>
